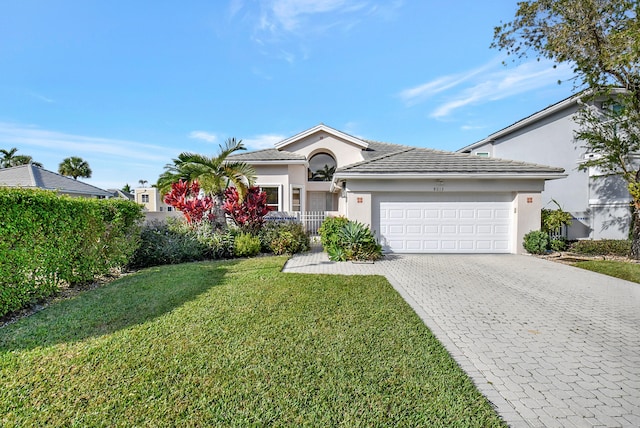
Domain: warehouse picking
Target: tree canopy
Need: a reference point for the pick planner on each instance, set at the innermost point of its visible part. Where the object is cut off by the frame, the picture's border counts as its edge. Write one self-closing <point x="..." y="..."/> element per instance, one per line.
<point x="214" y="173"/>
<point x="10" y="159"/>
<point x="74" y="167"/>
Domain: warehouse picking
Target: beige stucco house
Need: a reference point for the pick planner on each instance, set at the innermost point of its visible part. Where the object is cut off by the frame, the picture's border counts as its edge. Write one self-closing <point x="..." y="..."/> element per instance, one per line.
<point x="417" y="200"/>
<point x="153" y="207"/>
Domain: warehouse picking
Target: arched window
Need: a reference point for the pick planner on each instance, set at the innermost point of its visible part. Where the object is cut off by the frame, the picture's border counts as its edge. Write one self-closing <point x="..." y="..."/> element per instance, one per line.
<point x="321" y="167"/>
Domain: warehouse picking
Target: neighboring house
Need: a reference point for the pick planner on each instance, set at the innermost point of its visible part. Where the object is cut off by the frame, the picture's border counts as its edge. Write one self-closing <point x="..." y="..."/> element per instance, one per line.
<point x="33" y="177"/>
<point x="600" y="205"/>
<point x="153" y="206"/>
<point x="417" y="200"/>
<point x="119" y="194"/>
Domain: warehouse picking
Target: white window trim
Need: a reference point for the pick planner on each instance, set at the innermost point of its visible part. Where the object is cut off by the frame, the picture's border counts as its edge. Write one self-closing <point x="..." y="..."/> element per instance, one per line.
<point x="279" y="187"/>
<point x="302" y="196"/>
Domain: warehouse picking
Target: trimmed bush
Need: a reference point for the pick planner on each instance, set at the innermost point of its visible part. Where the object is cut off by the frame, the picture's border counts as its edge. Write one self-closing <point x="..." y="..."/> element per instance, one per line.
<point x="247" y="245"/>
<point x="284" y="237"/>
<point x="47" y="240"/>
<point x="558" y="244"/>
<point x="602" y="247"/>
<point x="329" y="231"/>
<point x="536" y="242"/>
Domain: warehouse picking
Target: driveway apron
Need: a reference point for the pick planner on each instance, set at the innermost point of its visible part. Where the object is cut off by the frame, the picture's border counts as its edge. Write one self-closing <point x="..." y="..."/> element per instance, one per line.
<point x="548" y="344"/>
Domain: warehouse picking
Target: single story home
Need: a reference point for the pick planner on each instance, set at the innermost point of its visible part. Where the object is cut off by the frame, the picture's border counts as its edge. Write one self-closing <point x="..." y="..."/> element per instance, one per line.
<point x="416" y="200"/>
<point x="32" y="177"/>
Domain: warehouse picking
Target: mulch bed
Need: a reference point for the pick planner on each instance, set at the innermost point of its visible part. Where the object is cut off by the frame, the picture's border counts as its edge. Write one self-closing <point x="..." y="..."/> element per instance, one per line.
<point x="569" y="258"/>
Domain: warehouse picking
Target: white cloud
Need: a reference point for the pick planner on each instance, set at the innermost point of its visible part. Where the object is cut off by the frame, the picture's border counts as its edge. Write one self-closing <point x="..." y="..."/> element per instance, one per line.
<point x="42" y="98"/>
<point x="20" y="136"/>
<point x="288" y="14"/>
<point x="490" y="82"/>
<point x="114" y="162"/>
<point x="203" y="135"/>
<point x="264" y="141"/>
<point x="422" y="92"/>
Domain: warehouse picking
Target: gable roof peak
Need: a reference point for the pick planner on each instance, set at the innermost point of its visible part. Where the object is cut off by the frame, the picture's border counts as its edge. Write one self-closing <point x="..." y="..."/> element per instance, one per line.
<point x="324" y="128"/>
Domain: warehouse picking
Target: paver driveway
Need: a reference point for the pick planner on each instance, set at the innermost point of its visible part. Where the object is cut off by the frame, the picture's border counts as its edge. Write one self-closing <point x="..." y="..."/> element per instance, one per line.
<point x="548" y="344"/>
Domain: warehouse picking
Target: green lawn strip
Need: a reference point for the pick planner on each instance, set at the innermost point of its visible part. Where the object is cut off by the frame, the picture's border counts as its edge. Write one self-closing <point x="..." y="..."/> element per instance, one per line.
<point x="233" y="344"/>
<point x="622" y="270"/>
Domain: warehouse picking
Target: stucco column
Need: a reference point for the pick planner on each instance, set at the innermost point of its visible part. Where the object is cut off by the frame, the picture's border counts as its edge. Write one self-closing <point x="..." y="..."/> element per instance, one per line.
<point x="359" y="207"/>
<point x="527" y="209"/>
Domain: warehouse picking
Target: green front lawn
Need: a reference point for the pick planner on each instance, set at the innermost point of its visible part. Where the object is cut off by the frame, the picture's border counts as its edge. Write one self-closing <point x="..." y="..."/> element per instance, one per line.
<point x="622" y="270"/>
<point x="233" y="343"/>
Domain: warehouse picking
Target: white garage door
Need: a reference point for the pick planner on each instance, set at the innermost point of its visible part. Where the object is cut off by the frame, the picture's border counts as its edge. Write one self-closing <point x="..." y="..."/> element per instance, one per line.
<point x="445" y="227"/>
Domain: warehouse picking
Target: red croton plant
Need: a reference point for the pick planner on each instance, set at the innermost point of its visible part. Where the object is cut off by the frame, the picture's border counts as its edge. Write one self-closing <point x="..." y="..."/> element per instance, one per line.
<point x="247" y="213"/>
<point x="186" y="198"/>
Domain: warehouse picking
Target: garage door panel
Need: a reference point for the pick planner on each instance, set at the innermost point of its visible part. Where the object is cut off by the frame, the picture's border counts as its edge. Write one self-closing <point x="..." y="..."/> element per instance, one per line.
<point x="396" y="229"/>
<point x="501" y="229"/>
<point x="467" y="214"/>
<point x="396" y="213"/>
<point x="430" y="229"/>
<point x="446" y="227"/>
<point x="449" y="213"/>
<point x="503" y="214"/>
<point x="431" y="213"/>
<point x="484" y="229"/>
<point x="449" y="229"/>
<point x="414" y="229"/>
<point x="414" y="214"/>
<point x="466" y="229"/>
<point x="466" y="245"/>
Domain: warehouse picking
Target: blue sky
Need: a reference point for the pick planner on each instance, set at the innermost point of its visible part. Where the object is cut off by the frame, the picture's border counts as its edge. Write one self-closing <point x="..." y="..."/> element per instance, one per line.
<point x="128" y="85"/>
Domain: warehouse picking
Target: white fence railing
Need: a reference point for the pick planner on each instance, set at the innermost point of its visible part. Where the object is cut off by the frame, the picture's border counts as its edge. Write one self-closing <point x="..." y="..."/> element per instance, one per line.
<point x="312" y="220"/>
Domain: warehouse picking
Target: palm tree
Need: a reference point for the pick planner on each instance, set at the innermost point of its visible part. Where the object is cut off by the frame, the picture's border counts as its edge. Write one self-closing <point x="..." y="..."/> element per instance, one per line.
<point x="214" y="173"/>
<point x="142" y="182"/>
<point x="324" y="174"/>
<point x="7" y="157"/>
<point x="10" y="159"/>
<point x="75" y="167"/>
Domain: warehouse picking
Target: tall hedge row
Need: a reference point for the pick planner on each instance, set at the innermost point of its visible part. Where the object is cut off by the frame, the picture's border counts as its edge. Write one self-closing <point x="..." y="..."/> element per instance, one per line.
<point x="47" y="240"/>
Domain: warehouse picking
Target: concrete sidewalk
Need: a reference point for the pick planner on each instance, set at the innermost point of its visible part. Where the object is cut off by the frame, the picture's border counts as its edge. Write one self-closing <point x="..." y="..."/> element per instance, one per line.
<point x="548" y="344"/>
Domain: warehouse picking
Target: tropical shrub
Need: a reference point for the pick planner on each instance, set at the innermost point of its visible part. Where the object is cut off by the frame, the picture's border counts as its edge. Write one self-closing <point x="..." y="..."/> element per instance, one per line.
<point x="247" y="245"/>
<point x="536" y="242"/>
<point x="160" y="245"/>
<point x="329" y="231"/>
<point x="186" y="198"/>
<point x="284" y="237"/>
<point x="602" y="247"/>
<point x="552" y="221"/>
<point x="348" y="240"/>
<point x="558" y="244"/>
<point x="47" y="240"/>
<point x="174" y="241"/>
<point x="248" y="213"/>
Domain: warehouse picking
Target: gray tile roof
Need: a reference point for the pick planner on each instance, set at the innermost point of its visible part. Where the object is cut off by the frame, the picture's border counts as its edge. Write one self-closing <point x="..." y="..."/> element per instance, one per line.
<point x="377" y="149"/>
<point x="29" y="176"/>
<point x="414" y="160"/>
<point x="266" y="155"/>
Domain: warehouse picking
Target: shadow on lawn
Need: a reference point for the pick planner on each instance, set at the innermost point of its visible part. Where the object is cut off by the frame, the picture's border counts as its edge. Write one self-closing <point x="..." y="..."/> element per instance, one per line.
<point x="132" y="300"/>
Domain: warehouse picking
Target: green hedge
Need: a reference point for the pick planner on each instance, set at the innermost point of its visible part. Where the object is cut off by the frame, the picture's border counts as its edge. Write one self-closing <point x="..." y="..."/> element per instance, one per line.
<point x="602" y="247"/>
<point x="47" y="240"/>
